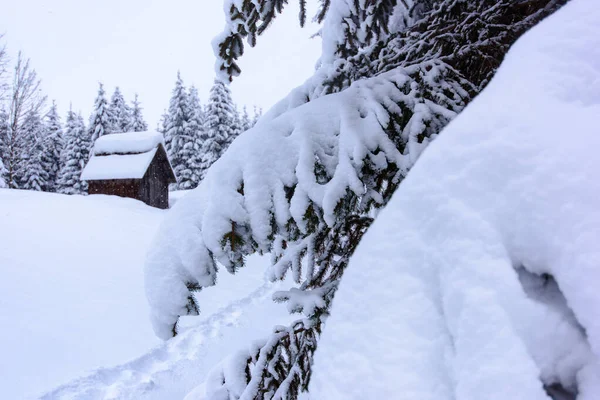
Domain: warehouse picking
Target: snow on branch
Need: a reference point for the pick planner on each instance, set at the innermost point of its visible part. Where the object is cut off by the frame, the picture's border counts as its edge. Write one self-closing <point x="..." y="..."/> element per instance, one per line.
<point x="245" y="19"/>
<point x="242" y="375"/>
<point x="295" y="175"/>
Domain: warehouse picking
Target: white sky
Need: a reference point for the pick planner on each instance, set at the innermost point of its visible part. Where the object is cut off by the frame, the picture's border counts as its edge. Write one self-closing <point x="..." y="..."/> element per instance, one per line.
<point x="139" y="45"/>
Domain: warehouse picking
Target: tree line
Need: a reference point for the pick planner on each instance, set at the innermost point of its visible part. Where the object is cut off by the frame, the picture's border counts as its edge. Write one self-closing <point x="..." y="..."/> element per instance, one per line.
<point x="195" y="135"/>
<point x="38" y="152"/>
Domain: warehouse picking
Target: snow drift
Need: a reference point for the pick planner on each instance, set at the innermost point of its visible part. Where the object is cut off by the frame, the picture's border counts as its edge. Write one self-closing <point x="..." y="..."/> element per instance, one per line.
<point x="479" y="280"/>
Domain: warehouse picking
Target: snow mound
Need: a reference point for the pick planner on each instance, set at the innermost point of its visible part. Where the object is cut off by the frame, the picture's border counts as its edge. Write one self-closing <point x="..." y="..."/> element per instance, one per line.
<point x="128" y="143"/>
<point x="72" y="294"/>
<point x="118" y="166"/>
<point x="479" y="279"/>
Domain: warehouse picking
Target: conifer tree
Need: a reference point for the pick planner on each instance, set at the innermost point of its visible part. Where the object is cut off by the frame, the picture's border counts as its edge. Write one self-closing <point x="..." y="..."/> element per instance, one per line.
<point x="196" y="129"/>
<point x="101" y="120"/>
<point x="236" y="128"/>
<point x="137" y="120"/>
<point x="24" y="100"/>
<point x="162" y="127"/>
<point x="178" y="135"/>
<point x="246" y="123"/>
<point x="257" y="115"/>
<point x="219" y="124"/>
<point x="34" y="177"/>
<point x="2" y="173"/>
<point x="29" y="165"/>
<point x="31" y="173"/>
<point x="415" y="72"/>
<point x="120" y="113"/>
<point x="52" y="147"/>
<point x="3" y="134"/>
<point x="74" y="156"/>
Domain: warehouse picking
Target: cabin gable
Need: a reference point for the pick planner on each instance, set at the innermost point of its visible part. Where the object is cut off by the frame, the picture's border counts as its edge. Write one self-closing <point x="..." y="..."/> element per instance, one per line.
<point x="154" y="186"/>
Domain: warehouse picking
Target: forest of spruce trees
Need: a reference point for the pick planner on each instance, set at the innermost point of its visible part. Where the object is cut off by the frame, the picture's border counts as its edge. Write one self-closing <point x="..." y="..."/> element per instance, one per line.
<point x="38" y="152"/>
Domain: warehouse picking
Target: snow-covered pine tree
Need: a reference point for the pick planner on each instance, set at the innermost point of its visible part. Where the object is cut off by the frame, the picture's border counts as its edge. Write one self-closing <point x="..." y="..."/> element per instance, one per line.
<point x="4" y="126"/>
<point x="24" y="98"/>
<point x="31" y="173"/>
<point x="120" y="112"/>
<point x="2" y="172"/>
<point x="101" y="120"/>
<point x="386" y="86"/>
<point x="219" y="124"/>
<point x="52" y="147"/>
<point x="74" y="155"/>
<point x="137" y="123"/>
<point x="178" y="135"/>
<point x="257" y="114"/>
<point x="162" y="126"/>
<point x="238" y="126"/>
<point x="246" y="123"/>
<point x="196" y="128"/>
<point x="34" y="176"/>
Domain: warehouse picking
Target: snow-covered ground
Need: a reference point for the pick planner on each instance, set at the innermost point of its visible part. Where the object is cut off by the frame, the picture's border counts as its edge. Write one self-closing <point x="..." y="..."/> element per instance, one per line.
<point x="480" y="278"/>
<point x="72" y="286"/>
<point x="173" y="369"/>
<point x="72" y="304"/>
<point x="176" y="195"/>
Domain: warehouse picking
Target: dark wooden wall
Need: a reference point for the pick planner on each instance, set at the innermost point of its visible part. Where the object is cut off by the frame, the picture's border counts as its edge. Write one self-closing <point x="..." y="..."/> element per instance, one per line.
<point x="116" y="187"/>
<point x="154" y="187"/>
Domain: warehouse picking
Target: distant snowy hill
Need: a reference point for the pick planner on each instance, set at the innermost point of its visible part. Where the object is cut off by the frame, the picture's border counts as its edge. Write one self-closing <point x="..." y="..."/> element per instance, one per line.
<point x="480" y="278"/>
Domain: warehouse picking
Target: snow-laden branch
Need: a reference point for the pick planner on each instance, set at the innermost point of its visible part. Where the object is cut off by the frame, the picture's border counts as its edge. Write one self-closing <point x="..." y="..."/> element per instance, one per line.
<point x="288" y="177"/>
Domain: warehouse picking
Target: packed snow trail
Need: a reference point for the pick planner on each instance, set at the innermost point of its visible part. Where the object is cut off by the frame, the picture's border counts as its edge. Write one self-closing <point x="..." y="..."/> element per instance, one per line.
<point x="72" y="286"/>
<point x="171" y="370"/>
<point x="479" y="280"/>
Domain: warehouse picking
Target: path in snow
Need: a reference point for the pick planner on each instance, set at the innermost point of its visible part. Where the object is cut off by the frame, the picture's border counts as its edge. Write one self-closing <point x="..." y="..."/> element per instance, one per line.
<point x="174" y="368"/>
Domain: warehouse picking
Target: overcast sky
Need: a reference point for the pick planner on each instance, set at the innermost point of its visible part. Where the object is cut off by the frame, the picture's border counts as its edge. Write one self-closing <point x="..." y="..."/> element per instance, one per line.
<point x="139" y="45"/>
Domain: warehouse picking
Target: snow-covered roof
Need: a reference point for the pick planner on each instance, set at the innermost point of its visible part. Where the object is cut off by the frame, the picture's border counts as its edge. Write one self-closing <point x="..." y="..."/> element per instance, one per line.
<point x="118" y="166"/>
<point x="122" y="155"/>
<point x="128" y="143"/>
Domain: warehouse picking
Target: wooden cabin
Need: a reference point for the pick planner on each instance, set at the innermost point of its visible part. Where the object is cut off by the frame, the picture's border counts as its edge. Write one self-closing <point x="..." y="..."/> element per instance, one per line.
<point x="132" y="164"/>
